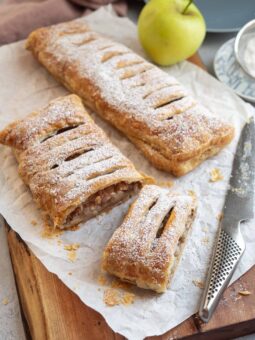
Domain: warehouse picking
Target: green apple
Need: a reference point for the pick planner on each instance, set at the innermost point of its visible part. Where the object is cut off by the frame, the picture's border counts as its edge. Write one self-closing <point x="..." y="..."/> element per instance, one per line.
<point x="170" y="30"/>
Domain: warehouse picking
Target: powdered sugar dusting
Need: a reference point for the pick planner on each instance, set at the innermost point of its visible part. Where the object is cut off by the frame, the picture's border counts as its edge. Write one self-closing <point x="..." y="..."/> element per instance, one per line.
<point x="139" y="91"/>
<point x="135" y="243"/>
<point x="59" y="113"/>
<point x="69" y="166"/>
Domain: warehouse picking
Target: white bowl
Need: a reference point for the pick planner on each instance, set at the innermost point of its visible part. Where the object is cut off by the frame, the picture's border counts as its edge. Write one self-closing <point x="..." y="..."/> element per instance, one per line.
<point x="228" y="71"/>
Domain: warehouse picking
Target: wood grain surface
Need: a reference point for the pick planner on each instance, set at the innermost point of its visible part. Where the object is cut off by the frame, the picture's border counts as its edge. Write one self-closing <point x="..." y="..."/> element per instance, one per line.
<point x="53" y="312"/>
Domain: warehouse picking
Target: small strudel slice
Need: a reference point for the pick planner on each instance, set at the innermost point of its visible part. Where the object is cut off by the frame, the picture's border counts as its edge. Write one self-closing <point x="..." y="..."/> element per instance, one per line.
<point x="155" y="111"/>
<point x="146" y="248"/>
<point x="72" y="169"/>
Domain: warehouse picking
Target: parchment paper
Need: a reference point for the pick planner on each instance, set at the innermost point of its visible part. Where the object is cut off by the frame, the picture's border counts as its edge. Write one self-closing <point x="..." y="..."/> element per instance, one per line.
<point x="26" y="86"/>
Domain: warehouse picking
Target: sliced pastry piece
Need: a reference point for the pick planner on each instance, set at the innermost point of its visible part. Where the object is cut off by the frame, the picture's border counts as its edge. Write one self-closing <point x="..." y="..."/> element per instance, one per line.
<point x="146" y="248"/>
<point x="150" y="107"/>
<point x="69" y="164"/>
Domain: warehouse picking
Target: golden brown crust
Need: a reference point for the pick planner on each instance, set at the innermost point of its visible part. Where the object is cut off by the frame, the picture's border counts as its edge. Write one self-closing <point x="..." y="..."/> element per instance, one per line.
<point x="60" y="113"/>
<point x="177" y="168"/>
<point x="147" y="246"/>
<point x="66" y="159"/>
<point x="135" y="96"/>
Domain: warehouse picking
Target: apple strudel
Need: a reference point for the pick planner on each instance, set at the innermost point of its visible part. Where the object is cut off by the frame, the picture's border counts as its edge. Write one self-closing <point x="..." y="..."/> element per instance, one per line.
<point x="146" y="248"/>
<point x="72" y="169"/>
<point x="150" y="107"/>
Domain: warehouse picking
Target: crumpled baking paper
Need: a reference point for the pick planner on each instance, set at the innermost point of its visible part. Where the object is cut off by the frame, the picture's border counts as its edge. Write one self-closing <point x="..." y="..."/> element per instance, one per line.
<point x="25" y="86"/>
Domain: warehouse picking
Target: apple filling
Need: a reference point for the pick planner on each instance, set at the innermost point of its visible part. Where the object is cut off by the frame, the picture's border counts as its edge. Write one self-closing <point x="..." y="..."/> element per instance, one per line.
<point x="101" y="201"/>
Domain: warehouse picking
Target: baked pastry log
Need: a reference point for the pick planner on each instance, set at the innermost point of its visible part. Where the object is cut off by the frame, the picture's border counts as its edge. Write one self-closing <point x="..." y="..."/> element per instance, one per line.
<point x="150" y="107"/>
<point x="69" y="164"/>
<point x="146" y="248"/>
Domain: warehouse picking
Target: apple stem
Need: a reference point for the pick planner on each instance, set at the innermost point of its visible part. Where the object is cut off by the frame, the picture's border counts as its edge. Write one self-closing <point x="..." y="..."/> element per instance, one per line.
<point x="186" y="8"/>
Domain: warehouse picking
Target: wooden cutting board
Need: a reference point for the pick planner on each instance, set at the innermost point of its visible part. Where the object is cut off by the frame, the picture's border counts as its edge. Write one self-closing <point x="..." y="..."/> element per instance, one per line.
<point x="53" y="312"/>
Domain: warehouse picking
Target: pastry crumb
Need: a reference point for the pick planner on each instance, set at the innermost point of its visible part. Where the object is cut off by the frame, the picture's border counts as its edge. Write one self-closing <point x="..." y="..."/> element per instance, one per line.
<point x="70" y="247"/>
<point x="50" y="232"/>
<point x="34" y="223"/>
<point x="192" y="194"/>
<point x="128" y="298"/>
<point x="205" y="240"/>
<point x="59" y="242"/>
<point x="149" y="179"/>
<point x="198" y="284"/>
<point x="118" y="293"/>
<point x="5" y="301"/>
<point x="112" y="297"/>
<point x="220" y="217"/>
<point x="244" y="292"/>
<point x="70" y="273"/>
<point x="120" y="284"/>
<point x="102" y="280"/>
<point x="72" y="256"/>
<point x="215" y="175"/>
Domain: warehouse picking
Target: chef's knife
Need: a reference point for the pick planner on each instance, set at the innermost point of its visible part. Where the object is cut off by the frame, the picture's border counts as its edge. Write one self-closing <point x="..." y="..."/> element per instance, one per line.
<point x="238" y="207"/>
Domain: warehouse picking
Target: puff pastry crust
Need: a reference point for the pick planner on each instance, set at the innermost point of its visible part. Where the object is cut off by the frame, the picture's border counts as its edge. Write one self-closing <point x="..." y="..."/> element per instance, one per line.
<point x="150" y="107"/>
<point x="146" y="248"/>
<point x="72" y="169"/>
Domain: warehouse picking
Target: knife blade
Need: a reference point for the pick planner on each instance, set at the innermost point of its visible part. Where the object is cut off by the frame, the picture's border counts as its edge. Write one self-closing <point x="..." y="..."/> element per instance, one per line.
<point x="238" y="207"/>
<point x="239" y="199"/>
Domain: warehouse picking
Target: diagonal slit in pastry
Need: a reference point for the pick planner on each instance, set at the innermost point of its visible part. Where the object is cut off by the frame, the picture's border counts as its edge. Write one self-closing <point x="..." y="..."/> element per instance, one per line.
<point x="143" y="83"/>
<point x="133" y="73"/>
<point x="73" y="156"/>
<point x="152" y="204"/>
<point x="174" y="108"/>
<point x="111" y="54"/>
<point x="77" y="167"/>
<point x="167" y="220"/>
<point x="84" y="41"/>
<point x="105" y="172"/>
<point x="78" y="154"/>
<point x="156" y="88"/>
<point x="167" y="102"/>
<point x="72" y="30"/>
<point x="58" y="132"/>
<point x="105" y="47"/>
<point x="125" y="63"/>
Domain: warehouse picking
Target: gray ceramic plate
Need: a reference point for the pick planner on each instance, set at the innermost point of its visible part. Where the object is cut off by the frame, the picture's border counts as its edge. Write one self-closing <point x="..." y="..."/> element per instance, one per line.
<point x="226" y="15"/>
